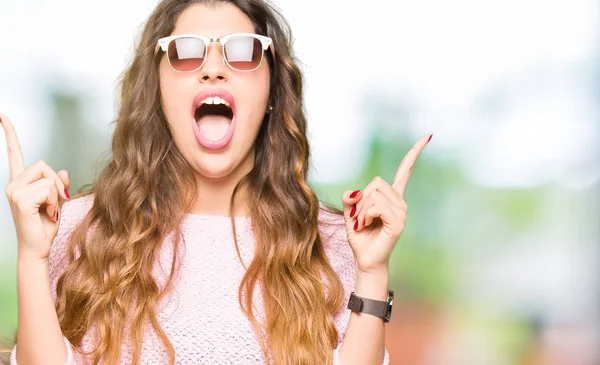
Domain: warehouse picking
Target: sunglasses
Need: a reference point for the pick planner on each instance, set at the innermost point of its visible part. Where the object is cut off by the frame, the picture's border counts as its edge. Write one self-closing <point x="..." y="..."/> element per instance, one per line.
<point x="241" y="51"/>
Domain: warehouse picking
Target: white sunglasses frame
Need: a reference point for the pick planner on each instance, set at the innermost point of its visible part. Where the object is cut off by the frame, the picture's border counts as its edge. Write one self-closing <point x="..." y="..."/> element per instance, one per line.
<point x="265" y="41"/>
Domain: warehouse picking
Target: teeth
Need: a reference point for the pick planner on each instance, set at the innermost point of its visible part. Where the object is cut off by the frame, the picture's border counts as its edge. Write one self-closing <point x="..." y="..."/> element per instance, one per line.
<point x="215" y="100"/>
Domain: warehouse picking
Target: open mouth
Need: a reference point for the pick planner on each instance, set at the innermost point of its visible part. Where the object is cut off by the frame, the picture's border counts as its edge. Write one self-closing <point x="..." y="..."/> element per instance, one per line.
<point x="213" y="117"/>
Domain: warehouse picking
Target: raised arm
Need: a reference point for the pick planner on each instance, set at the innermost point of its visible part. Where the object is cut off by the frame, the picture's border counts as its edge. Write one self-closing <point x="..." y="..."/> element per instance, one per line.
<point x="35" y="196"/>
<point x="375" y="219"/>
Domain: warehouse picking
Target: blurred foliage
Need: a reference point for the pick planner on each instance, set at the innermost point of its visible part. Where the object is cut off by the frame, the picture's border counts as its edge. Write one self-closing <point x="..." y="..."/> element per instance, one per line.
<point x="77" y="146"/>
<point x="8" y="304"/>
<point x="421" y="266"/>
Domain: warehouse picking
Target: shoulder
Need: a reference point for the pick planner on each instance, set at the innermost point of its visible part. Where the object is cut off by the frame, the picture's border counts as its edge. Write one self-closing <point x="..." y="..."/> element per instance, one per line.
<point x="332" y="228"/>
<point x="333" y="231"/>
<point x="72" y="213"/>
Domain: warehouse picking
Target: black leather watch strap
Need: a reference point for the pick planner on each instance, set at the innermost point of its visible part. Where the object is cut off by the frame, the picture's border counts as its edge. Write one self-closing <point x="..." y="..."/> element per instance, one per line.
<point x="378" y="308"/>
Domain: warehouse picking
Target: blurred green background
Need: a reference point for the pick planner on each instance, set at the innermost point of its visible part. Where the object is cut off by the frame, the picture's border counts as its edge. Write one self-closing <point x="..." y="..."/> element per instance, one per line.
<point x="499" y="261"/>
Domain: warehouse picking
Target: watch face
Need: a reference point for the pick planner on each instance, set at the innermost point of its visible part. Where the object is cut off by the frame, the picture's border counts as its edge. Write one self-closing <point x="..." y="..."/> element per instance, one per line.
<point x="388" y="315"/>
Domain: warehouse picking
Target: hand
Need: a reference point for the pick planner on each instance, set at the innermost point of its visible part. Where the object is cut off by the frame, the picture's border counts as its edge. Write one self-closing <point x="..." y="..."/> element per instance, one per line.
<point x="375" y="216"/>
<point x="31" y="191"/>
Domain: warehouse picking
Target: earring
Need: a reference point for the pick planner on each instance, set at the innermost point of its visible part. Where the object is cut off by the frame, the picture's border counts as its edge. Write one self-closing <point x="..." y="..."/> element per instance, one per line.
<point x="270" y="108"/>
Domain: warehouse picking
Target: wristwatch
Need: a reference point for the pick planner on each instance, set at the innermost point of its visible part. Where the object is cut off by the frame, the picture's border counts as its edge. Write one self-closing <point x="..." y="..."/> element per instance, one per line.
<point x="373" y="307"/>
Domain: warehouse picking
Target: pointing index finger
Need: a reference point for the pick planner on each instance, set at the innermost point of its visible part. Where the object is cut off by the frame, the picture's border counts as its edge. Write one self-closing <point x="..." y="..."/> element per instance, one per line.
<point x="403" y="172"/>
<point x="13" y="148"/>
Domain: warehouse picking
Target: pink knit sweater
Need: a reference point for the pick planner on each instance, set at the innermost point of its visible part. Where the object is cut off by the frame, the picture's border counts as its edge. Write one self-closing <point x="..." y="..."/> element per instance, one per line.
<point x="202" y="316"/>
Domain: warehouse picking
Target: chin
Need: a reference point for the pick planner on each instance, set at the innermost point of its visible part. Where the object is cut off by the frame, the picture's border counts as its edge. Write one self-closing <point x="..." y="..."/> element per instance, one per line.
<point x="216" y="166"/>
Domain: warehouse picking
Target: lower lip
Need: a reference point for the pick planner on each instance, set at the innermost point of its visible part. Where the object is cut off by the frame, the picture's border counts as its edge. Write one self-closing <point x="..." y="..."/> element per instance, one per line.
<point x="214" y="145"/>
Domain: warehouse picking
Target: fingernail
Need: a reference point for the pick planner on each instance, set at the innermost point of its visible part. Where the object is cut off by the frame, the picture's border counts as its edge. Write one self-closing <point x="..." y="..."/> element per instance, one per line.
<point x="431" y="135"/>
<point x="353" y="211"/>
<point x="67" y="194"/>
<point x="354" y="194"/>
<point x="355" y="225"/>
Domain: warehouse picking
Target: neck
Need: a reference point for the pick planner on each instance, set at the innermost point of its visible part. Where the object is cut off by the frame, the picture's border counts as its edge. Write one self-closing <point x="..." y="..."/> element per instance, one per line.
<point x="214" y="195"/>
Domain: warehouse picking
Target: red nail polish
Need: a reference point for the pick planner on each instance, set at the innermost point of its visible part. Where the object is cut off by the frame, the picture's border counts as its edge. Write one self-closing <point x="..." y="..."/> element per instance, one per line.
<point x="355" y="225"/>
<point x="67" y="194"/>
<point x="431" y="135"/>
<point x="353" y="211"/>
<point x="354" y="194"/>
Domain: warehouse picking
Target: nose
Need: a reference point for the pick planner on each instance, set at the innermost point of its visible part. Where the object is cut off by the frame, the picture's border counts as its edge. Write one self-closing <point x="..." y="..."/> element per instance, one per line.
<point x="214" y="68"/>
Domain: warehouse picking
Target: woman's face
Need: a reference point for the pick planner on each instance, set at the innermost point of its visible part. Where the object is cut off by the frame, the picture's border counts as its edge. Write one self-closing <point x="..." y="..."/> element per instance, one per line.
<point x="212" y="142"/>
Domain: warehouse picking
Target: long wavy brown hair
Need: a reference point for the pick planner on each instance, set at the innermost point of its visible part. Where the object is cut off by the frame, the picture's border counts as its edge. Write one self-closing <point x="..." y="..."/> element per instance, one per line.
<point x="109" y="284"/>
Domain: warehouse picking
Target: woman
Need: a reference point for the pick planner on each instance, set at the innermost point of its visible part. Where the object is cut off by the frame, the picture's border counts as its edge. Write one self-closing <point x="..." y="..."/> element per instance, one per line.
<point x="201" y="241"/>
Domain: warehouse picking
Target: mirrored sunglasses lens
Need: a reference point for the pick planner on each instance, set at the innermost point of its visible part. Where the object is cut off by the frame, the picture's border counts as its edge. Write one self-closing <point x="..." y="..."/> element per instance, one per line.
<point x="243" y="53"/>
<point x="186" y="54"/>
